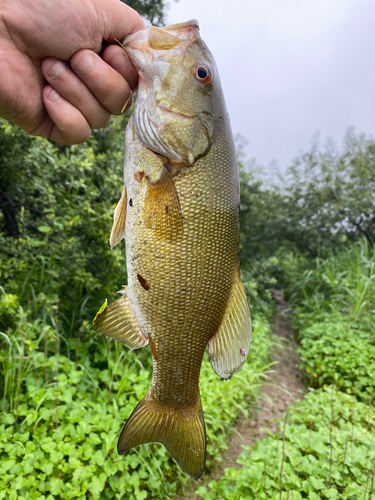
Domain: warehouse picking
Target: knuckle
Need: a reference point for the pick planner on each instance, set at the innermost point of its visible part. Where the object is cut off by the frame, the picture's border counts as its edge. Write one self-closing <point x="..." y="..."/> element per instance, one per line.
<point x="74" y="131"/>
<point x="54" y="69"/>
<point x="83" y="62"/>
<point x="101" y="121"/>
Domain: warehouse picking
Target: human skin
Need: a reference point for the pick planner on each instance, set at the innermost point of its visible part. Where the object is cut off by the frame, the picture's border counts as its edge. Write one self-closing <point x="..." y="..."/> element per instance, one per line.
<point x="61" y="73"/>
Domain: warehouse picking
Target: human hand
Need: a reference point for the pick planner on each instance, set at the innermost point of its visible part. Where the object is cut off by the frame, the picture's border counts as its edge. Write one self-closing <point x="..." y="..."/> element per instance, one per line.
<point x="53" y="82"/>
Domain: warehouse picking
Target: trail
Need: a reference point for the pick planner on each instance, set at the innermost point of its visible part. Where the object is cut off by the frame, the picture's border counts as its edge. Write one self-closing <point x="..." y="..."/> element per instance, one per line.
<point x="284" y="386"/>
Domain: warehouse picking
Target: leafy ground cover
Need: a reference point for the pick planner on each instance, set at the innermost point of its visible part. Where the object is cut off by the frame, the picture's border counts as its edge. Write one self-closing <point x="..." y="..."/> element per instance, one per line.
<point x="58" y="432"/>
<point x="325" y="449"/>
<point x="335" y="317"/>
<point x="335" y="351"/>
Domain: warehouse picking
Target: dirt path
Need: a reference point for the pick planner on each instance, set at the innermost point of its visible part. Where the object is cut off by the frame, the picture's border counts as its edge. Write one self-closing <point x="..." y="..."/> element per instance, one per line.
<point x="284" y="386"/>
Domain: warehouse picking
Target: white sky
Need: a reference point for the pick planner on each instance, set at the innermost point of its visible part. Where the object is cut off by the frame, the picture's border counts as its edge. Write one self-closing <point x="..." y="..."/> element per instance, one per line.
<point x="290" y="68"/>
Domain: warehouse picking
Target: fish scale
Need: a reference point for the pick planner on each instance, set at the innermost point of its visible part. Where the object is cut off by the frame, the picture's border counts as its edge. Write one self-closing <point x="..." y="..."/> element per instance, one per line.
<point x="179" y="216"/>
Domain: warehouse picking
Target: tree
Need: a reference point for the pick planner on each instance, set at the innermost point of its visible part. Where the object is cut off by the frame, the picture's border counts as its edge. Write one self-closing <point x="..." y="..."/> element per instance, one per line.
<point x="152" y="10"/>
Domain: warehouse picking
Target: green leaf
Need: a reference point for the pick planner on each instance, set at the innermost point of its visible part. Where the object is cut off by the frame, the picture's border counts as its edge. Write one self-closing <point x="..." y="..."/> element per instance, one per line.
<point x="317" y="483"/>
<point x="44" y="229"/>
<point x="140" y="495"/>
<point x="47" y="468"/>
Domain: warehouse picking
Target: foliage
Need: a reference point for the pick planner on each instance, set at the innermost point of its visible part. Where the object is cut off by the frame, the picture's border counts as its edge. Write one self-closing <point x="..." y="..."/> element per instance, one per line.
<point x="58" y="437"/>
<point x="335" y="317"/>
<point x="333" y="350"/>
<point x="326" y="450"/>
<point x="152" y="10"/>
<point x="260" y="255"/>
<point x="341" y="283"/>
<point x="54" y="251"/>
<point x="330" y="195"/>
<point x="324" y="201"/>
<point x="262" y="248"/>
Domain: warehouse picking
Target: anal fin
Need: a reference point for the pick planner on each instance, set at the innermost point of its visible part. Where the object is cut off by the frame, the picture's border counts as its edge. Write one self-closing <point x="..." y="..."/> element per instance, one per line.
<point x="119" y="219"/>
<point x="162" y="207"/>
<point x="229" y="348"/>
<point x="118" y="321"/>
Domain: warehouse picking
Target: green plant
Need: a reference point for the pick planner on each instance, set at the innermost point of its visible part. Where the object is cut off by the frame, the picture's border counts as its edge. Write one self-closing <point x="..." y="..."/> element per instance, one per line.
<point x="334" y="313"/>
<point x="343" y="282"/>
<point x="325" y="449"/>
<point x="63" y="416"/>
<point x="334" y="350"/>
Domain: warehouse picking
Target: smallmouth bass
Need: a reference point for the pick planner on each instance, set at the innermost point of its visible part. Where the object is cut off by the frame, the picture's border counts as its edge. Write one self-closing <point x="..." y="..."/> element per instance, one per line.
<point x="179" y="215"/>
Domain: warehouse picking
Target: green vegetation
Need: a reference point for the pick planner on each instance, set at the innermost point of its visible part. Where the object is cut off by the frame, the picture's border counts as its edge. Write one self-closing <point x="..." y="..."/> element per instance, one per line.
<point x="60" y="439"/>
<point x="325" y="449"/>
<point x="65" y="391"/>
<point x="335" y="315"/>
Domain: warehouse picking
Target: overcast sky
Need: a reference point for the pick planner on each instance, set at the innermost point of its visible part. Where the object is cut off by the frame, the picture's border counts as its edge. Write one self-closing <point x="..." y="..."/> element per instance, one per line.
<point x="290" y="68"/>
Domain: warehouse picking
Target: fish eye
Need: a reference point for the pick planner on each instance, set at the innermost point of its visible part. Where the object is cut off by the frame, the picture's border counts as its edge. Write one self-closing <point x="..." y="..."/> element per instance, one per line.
<point x="202" y="73"/>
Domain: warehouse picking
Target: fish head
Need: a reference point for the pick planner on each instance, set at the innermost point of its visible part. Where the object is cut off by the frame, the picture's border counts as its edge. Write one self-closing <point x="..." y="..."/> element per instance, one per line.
<point x="179" y="96"/>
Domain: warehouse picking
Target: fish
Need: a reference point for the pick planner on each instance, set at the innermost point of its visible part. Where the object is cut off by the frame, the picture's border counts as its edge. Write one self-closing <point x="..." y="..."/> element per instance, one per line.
<point x="179" y="216"/>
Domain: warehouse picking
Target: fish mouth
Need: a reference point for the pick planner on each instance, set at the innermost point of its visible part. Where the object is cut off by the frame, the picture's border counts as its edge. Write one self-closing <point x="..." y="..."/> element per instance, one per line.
<point x="125" y="42"/>
<point x="188" y="30"/>
<point x="186" y="24"/>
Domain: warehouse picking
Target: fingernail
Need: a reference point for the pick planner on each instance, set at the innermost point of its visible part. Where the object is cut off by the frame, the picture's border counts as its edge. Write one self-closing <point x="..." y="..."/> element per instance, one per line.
<point x="53" y="95"/>
<point x="56" y="70"/>
<point x="85" y="64"/>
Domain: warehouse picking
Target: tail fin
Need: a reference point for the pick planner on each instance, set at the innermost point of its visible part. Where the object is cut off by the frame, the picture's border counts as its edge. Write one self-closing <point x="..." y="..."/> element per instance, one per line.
<point x="181" y="430"/>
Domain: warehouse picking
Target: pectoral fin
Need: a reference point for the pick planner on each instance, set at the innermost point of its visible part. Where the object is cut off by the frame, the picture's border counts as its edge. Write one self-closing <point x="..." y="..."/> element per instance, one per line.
<point x="229" y="347"/>
<point x="119" y="322"/>
<point x="119" y="219"/>
<point x="162" y="208"/>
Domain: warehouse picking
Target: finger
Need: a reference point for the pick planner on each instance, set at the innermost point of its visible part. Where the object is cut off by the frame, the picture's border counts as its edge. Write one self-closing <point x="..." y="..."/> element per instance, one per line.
<point x="116" y="56"/>
<point x="120" y="20"/>
<point x="106" y="84"/>
<point x="69" y="86"/>
<point x="69" y="124"/>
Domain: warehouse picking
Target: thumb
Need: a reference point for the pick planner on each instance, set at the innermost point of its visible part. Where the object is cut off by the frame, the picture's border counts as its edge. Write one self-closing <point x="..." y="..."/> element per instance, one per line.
<point x="119" y="20"/>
